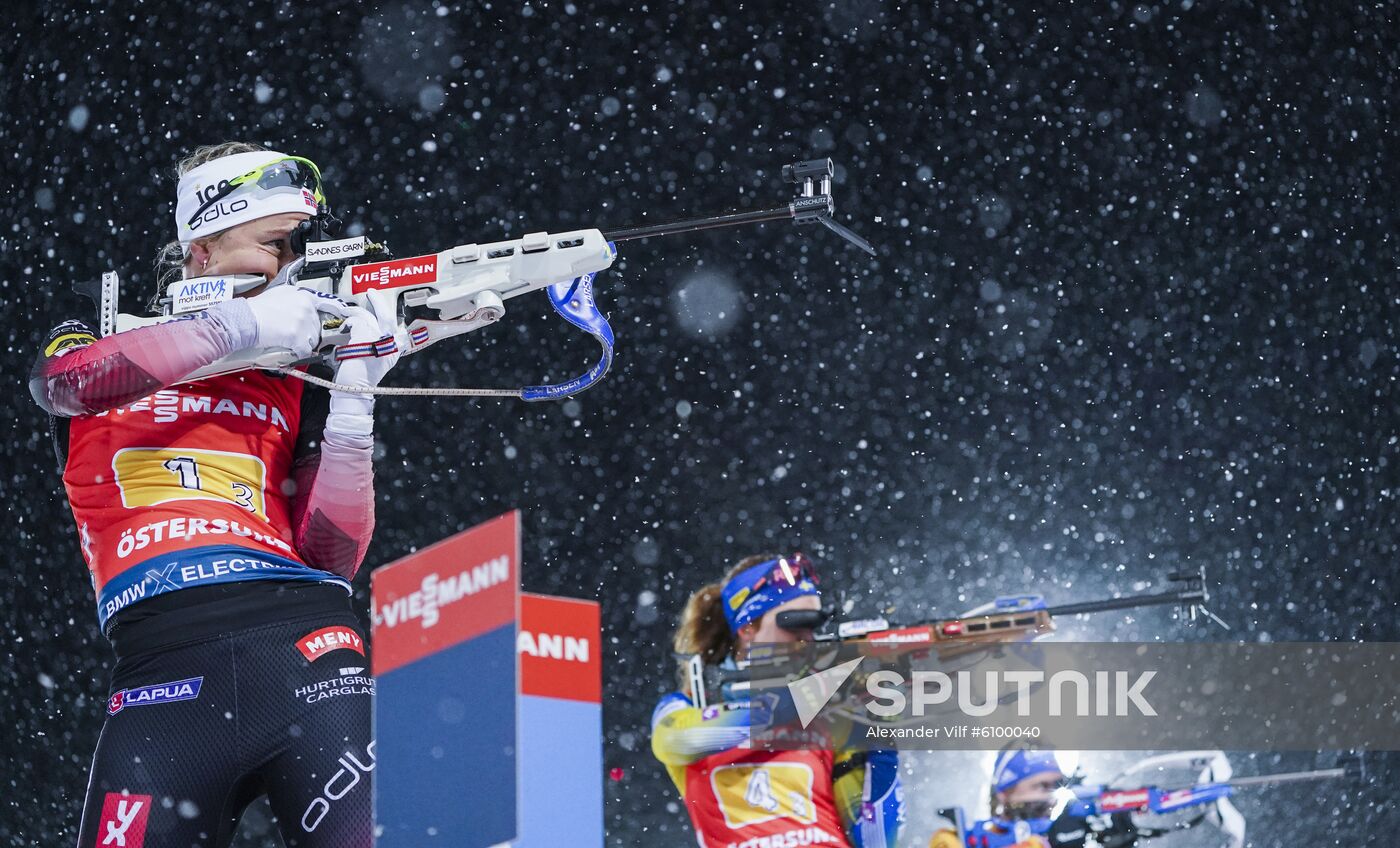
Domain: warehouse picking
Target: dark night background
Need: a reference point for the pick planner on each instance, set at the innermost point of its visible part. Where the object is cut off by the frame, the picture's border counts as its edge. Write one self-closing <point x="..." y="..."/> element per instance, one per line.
<point x="1134" y="310"/>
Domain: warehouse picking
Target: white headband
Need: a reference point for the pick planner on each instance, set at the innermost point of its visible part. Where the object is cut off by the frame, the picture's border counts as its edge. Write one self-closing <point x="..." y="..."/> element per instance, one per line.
<point x="196" y="218"/>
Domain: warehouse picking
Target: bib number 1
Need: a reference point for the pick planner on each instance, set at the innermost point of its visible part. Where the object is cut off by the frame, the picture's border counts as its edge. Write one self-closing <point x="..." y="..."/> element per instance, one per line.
<point x="187" y="468"/>
<point x="150" y="476"/>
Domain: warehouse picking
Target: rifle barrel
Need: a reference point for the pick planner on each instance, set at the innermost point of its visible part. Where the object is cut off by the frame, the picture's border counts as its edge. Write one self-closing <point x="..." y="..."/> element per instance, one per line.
<point x="1183" y="596"/>
<point x="708" y="222"/>
<point x="1289" y="777"/>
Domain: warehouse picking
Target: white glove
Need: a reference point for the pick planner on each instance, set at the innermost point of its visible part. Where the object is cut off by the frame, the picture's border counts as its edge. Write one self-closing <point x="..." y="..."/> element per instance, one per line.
<point x="286" y="317"/>
<point x="364" y="328"/>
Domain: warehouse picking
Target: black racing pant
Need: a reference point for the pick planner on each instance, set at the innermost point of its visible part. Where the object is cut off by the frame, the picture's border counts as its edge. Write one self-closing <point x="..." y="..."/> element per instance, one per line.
<point x="265" y="690"/>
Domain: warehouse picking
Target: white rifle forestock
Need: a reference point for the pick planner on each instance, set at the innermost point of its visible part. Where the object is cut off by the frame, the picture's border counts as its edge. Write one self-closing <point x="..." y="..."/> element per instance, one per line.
<point x="466" y="289"/>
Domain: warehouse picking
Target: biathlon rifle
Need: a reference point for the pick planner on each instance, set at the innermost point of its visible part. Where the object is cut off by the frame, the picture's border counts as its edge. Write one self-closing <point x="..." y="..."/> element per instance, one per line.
<point x="439" y="295"/>
<point x="1112" y="815"/>
<point x="1008" y="618"/>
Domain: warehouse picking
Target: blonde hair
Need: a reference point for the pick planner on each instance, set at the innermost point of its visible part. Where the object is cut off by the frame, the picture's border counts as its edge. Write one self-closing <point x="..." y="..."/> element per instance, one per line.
<point x="703" y="628"/>
<point x="170" y="259"/>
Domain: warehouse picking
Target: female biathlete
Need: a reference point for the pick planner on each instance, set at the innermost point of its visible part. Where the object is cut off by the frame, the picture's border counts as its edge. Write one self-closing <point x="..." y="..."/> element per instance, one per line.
<point x="740" y="797"/>
<point x="221" y="521"/>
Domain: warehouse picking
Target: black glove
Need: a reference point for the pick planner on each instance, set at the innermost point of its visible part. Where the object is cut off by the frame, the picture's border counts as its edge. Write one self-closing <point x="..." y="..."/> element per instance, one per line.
<point x="1068" y="832"/>
<point x="1116" y="831"/>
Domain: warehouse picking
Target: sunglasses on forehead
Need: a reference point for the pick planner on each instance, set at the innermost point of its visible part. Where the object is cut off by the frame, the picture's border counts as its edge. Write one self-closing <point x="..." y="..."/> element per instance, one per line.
<point x="291" y="172"/>
<point x="788" y="571"/>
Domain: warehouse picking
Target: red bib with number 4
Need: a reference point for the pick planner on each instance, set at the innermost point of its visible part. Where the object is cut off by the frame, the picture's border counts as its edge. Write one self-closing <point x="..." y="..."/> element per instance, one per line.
<point x="751" y="798"/>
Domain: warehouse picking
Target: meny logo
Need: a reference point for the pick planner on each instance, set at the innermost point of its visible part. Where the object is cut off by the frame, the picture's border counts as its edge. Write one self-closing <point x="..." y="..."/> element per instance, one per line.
<point x="328" y="639"/>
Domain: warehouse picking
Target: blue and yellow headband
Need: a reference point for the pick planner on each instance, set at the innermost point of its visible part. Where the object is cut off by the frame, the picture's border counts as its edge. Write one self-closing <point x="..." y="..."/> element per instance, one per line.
<point x="756" y="590"/>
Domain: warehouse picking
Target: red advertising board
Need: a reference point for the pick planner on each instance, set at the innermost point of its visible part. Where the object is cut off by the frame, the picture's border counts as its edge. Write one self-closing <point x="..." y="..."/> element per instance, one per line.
<point x="398" y="273"/>
<point x="446" y="593"/>
<point x="561" y="723"/>
<point x="559" y="647"/>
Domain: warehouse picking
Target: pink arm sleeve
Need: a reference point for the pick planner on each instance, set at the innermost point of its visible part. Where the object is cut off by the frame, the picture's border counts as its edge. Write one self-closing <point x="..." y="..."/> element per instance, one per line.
<point x="333" y="511"/>
<point x="125" y="367"/>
